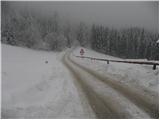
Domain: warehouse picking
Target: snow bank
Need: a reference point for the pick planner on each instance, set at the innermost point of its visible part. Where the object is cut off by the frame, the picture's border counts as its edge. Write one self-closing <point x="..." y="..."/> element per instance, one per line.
<point x="32" y="88"/>
<point x="141" y="76"/>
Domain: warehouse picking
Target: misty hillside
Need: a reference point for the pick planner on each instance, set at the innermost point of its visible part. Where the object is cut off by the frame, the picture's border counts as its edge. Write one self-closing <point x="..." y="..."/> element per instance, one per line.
<point x="80" y="59"/>
<point x="52" y="32"/>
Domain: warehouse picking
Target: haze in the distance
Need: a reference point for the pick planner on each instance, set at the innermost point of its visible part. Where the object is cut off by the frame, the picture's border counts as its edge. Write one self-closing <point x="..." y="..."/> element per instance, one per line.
<point x="113" y="14"/>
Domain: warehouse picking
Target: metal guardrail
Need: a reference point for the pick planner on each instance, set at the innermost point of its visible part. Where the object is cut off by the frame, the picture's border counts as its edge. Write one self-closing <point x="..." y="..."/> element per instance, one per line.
<point x="123" y="61"/>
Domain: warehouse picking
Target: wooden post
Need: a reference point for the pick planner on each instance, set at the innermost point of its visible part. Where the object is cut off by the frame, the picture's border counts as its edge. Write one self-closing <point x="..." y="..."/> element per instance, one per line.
<point x="107" y="61"/>
<point x="154" y="66"/>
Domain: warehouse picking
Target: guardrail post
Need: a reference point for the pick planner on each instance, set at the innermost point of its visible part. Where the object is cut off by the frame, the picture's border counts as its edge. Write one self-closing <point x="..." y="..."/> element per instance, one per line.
<point x="107" y="61"/>
<point x="154" y="66"/>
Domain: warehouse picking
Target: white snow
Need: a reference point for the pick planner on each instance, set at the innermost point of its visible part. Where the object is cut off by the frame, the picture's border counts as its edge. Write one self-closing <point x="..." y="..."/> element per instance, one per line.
<point x="141" y="76"/>
<point x="113" y="98"/>
<point x="33" y="89"/>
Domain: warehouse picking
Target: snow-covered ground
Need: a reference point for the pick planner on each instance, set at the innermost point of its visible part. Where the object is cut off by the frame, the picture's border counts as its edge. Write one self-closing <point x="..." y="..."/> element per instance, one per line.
<point x="141" y="76"/>
<point x="33" y="89"/>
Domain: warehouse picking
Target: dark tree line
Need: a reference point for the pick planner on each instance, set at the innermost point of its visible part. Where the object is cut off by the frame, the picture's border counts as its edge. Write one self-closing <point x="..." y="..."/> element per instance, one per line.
<point x="25" y="28"/>
<point x="126" y="43"/>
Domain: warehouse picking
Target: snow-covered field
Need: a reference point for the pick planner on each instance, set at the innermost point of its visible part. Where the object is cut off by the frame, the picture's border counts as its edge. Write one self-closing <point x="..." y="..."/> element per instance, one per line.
<point x="33" y="89"/>
<point x="141" y="76"/>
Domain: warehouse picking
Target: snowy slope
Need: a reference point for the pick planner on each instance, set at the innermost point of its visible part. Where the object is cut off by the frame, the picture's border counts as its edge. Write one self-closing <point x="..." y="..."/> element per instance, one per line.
<point x="140" y="76"/>
<point x="33" y="89"/>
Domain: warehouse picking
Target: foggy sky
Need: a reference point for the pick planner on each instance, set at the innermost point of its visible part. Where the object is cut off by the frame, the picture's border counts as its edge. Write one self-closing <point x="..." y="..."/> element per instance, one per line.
<point x="110" y="13"/>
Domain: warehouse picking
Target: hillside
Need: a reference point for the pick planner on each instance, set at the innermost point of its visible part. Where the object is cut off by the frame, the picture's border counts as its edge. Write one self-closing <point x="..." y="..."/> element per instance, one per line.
<point x="32" y="88"/>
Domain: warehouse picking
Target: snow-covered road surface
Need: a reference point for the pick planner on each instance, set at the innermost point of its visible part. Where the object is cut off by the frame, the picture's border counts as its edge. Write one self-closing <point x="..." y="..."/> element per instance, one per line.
<point x="70" y="87"/>
<point x="110" y="99"/>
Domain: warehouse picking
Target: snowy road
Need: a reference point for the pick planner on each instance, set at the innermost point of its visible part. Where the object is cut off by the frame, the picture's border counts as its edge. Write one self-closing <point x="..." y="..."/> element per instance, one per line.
<point x="110" y="99"/>
<point x="78" y="88"/>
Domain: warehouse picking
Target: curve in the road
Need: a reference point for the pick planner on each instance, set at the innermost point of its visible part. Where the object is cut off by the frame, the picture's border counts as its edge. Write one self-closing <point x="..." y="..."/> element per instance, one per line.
<point x="103" y="108"/>
<point x="97" y="105"/>
<point x="147" y="103"/>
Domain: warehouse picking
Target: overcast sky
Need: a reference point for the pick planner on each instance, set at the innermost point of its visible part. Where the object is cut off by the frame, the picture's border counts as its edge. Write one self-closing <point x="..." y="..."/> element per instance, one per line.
<point x="110" y="13"/>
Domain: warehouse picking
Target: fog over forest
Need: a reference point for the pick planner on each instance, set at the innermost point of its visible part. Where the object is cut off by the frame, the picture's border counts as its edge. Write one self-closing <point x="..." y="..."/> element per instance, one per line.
<point x="80" y="59"/>
<point x="113" y="14"/>
<point x="124" y="29"/>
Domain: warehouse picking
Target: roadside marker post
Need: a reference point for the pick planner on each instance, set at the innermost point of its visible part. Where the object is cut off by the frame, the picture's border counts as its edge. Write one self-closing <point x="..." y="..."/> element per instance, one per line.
<point x="154" y="66"/>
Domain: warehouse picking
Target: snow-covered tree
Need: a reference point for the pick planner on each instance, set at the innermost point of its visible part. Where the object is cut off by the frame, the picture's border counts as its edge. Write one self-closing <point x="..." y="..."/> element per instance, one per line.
<point x="82" y="34"/>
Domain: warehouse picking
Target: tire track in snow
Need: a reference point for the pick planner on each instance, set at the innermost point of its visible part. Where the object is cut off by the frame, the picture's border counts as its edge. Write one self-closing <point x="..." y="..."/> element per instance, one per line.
<point x="104" y="106"/>
<point x="149" y="104"/>
<point x="80" y="91"/>
<point x="98" y="106"/>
